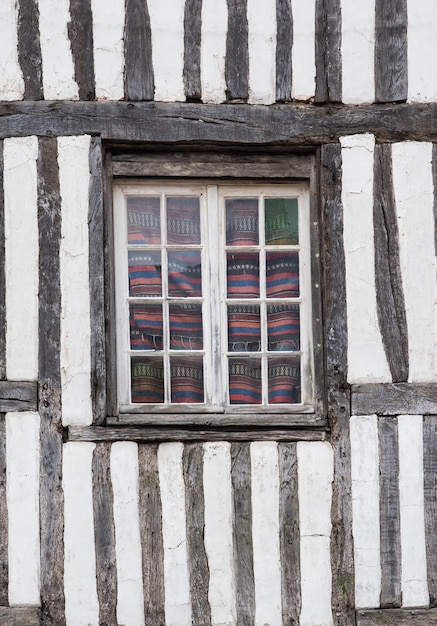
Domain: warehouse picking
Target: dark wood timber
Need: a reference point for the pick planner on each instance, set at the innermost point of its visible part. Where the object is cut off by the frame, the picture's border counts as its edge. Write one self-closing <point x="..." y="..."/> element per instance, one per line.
<point x="138" y="77"/>
<point x="397" y="617"/>
<point x="151" y="534"/>
<point x="430" y="495"/>
<point x="388" y="279"/>
<point x="328" y="51"/>
<point x="18" y="396"/>
<point x="395" y="399"/>
<point x="195" y="516"/>
<point x="96" y="236"/>
<point x="192" y="40"/>
<point x="29" y="49"/>
<point x="389" y="513"/>
<point x="338" y="395"/>
<point x="434" y="177"/>
<point x="237" y="51"/>
<point x="242" y="531"/>
<point x="391" y="49"/>
<point x="104" y="534"/>
<point x="51" y="502"/>
<point x="2" y="271"/>
<point x="20" y="616"/>
<point x="4" y="561"/>
<point x="80" y="32"/>
<point x="284" y="45"/>
<point x="220" y="420"/>
<point x="289" y="536"/>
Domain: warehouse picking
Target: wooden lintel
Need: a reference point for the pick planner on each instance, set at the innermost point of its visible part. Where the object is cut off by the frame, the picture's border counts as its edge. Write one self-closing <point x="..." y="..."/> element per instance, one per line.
<point x="394" y="399"/>
<point x="19" y="616"/>
<point x="17" y="396"/>
<point x="397" y="617"/>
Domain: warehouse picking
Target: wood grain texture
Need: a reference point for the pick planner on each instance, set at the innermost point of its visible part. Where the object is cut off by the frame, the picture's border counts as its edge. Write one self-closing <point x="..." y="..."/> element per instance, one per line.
<point x="242" y="531"/>
<point x="80" y="32"/>
<point x="49" y="387"/>
<point x="104" y="534"/>
<point x="221" y="420"/>
<point x="20" y="616"/>
<point x="16" y="396"/>
<point x="4" y="560"/>
<point x="2" y="271"/>
<point x="397" y="617"/>
<point x="151" y="534"/>
<point x="389" y="513"/>
<point x="434" y="178"/>
<point x="284" y="46"/>
<point x="195" y="515"/>
<point x="391" y="63"/>
<point x="138" y="76"/>
<point x="192" y="41"/>
<point x="328" y="51"/>
<point x="237" y="51"/>
<point x="289" y="536"/>
<point x="430" y="496"/>
<point x="388" y="279"/>
<point x="394" y="399"/>
<point x="29" y="49"/>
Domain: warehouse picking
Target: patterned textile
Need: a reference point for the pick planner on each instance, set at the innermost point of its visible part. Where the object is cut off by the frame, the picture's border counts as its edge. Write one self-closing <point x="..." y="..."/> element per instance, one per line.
<point x="243" y="275"/>
<point x="244" y="328"/>
<point x="284" y="380"/>
<point x="283" y="327"/>
<point x="281" y="221"/>
<point x="146" y="327"/>
<point x="245" y="381"/>
<point x="184" y="274"/>
<point x="242" y="222"/>
<point x="145" y="273"/>
<point x="183" y="221"/>
<point x="282" y="274"/>
<point x="147" y="376"/>
<point x="186" y="374"/>
<point x="143" y="221"/>
<point x="186" y="331"/>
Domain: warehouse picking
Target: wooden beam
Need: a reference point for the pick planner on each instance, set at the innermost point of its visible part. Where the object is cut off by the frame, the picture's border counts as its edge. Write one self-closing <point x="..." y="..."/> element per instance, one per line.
<point x="394" y="399"/>
<point x="139" y="77"/>
<point x="16" y="396"/>
<point x="192" y="41"/>
<point x="237" y="51"/>
<point x="80" y="33"/>
<point x="391" y="51"/>
<point x="397" y="617"/>
<point x="284" y="46"/>
<point x="19" y="616"/>
<point x="2" y="271"/>
<point x="430" y="501"/>
<point x="4" y="539"/>
<point x="328" y="51"/>
<point x="29" y="49"/>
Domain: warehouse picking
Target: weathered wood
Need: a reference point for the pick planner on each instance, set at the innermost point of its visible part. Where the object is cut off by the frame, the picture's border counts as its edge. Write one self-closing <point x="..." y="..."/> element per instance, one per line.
<point x="2" y="271"/>
<point x="51" y="500"/>
<point x="151" y="534"/>
<point x="394" y="399"/>
<point x="430" y="497"/>
<point x="389" y="513"/>
<point x="284" y="45"/>
<point x="19" y="616"/>
<point x="328" y="51"/>
<point x="80" y="32"/>
<point x="4" y="561"/>
<point x="289" y="536"/>
<point x="338" y="395"/>
<point x="195" y="516"/>
<point x="391" y="49"/>
<point x="388" y="279"/>
<point x="274" y="420"/>
<point x="18" y="396"/>
<point x="237" y="51"/>
<point x="138" y="77"/>
<point x="192" y="41"/>
<point x="104" y="534"/>
<point x="434" y="178"/>
<point x="397" y="617"/>
<point x="29" y="49"/>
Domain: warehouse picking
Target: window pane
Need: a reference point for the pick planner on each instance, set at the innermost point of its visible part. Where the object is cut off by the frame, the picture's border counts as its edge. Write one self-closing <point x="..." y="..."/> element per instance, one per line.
<point x="186" y="375"/>
<point x="143" y="221"/>
<point x="282" y="274"/>
<point x="281" y="221"/>
<point x="147" y="375"/>
<point x="243" y="275"/>
<point x="145" y="273"/>
<point x="184" y="274"/>
<point x="183" y="221"/>
<point x="284" y="380"/>
<point x="242" y="222"/>
<point x="146" y="328"/>
<point x="244" y="329"/>
<point x="283" y="327"/>
<point x="186" y="331"/>
<point x="245" y="381"/>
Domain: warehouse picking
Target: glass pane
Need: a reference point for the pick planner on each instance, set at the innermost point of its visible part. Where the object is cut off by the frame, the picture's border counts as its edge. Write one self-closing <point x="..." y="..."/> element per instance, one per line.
<point x="184" y="274"/>
<point x="147" y="375"/>
<point x="282" y="274"/>
<point x="145" y="273"/>
<point x="243" y="275"/>
<point x="242" y="222"/>
<point x="283" y="327"/>
<point x="281" y="221"/>
<point x="146" y="326"/>
<point x="183" y="221"/>
<point x="244" y="329"/>
<point x="245" y="386"/>
<point x="284" y="380"/>
<point x="186" y="375"/>
<point x="143" y="221"/>
<point x="186" y="332"/>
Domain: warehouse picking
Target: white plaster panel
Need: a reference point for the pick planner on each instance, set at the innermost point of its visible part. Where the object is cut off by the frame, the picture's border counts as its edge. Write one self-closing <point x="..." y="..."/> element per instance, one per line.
<point x="75" y="359"/>
<point x="167" y="26"/>
<point x="21" y="257"/>
<point x="213" y="50"/>
<point x="81" y="603"/>
<point x="412" y="511"/>
<point x="413" y="186"/>
<point x="108" y="34"/>
<point x="261" y="17"/>
<point x="124" y="476"/>
<point x="366" y="357"/>
<point x="57" y="60"/>
<point x="265" y="533"/>
<point x="357" y="50"/>
<point x="218" y="531"/>
<point x="365" y="509"/>
<point x="422" y="50"/>
<point x="303" y="53"/>
<point x="22" y="481"/>
<point x="11" y="76"/>
<point x="176" y="578"/>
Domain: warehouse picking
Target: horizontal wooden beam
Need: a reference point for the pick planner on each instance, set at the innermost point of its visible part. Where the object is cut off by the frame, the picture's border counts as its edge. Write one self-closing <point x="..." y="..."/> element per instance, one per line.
<point x="19" y="616"/>
<point x="17" y="396"/>
<point x="397" y="617"/>
<point x="394" y="399"/>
